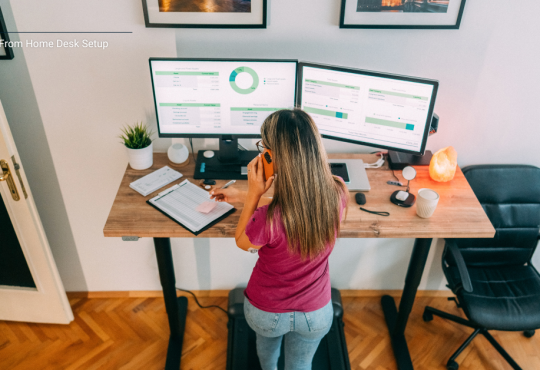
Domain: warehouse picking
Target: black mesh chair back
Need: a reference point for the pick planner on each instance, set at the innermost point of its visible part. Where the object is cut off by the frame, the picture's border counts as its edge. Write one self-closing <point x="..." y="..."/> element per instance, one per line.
<point x="510" y="196"/>
<point x="493" y="280"/>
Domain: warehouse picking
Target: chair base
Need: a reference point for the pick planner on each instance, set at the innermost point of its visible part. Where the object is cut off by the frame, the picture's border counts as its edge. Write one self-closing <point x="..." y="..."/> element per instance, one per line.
<point x="452" y="364"/>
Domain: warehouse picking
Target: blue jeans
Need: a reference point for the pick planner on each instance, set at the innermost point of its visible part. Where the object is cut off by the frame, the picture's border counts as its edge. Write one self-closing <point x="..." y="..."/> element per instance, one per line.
<point x="303" y="332"/>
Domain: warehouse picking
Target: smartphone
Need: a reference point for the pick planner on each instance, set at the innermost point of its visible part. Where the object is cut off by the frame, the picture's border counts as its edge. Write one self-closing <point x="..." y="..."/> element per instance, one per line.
<point x="268" y="164"/>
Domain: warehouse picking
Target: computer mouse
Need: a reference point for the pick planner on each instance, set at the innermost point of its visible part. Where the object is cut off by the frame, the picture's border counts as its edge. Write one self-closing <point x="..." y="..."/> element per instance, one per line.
<point x="208" y="153"/>
<point x="360" y="198"/>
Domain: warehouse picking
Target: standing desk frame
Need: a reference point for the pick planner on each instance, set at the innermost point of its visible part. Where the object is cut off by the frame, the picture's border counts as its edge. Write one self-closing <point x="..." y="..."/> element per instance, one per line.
<point x="458" y="215"/>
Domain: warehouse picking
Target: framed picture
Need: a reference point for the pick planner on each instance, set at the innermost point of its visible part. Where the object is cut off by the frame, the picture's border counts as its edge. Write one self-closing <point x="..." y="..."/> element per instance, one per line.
<point x="420" y="14"/>
<point x="5" y="51"/>
<point x="205" y="13"/>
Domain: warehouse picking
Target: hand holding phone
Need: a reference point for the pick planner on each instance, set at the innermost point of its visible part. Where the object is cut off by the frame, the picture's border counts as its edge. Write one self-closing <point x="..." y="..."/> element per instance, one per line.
<point x="257" y="185"/>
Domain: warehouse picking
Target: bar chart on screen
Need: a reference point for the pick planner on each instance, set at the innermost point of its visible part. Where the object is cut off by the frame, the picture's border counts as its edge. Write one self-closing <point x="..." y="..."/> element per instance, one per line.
<point x="368" y="108"/>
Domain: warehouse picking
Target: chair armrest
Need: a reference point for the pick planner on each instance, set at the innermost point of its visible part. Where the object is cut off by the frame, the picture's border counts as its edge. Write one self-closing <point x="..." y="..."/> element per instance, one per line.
<point x="460" y="262"/>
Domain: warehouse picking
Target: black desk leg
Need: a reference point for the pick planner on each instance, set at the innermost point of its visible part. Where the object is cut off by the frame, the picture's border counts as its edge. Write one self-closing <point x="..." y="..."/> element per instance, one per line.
<point x="176" y="306"/>
<point x="397" y="322"/>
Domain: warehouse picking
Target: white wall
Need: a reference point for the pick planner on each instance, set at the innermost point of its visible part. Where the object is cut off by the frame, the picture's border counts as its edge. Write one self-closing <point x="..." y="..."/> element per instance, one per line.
<point x="487" y="103"/>
<point x="18" y="98"/>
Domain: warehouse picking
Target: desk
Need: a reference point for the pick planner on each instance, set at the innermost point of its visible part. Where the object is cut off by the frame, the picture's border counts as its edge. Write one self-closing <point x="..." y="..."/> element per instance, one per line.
<point x="458" y="215"/>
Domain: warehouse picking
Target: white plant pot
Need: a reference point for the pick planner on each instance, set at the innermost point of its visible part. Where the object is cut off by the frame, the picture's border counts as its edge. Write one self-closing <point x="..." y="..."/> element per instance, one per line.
<point x="141" y="159"/>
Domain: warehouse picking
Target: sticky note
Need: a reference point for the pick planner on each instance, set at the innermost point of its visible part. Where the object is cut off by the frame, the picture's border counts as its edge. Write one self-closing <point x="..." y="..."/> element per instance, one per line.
<point x="206" y="207"/>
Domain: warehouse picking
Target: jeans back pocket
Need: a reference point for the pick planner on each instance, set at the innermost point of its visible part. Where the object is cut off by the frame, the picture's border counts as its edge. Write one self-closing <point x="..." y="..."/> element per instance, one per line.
<point x="320" y="319"/>
<point x="259" y="319"/>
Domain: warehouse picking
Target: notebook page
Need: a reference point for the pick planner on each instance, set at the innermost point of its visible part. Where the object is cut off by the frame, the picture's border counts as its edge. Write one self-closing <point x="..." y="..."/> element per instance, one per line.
<point x="182" y="202"/>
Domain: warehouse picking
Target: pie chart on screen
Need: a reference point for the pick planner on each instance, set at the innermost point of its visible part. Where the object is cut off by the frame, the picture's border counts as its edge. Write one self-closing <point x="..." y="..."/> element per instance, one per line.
<point x="238" y="72"/>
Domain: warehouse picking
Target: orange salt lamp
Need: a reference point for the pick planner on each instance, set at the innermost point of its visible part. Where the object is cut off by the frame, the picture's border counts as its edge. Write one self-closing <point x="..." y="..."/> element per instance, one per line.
<point x="442" y="167"/>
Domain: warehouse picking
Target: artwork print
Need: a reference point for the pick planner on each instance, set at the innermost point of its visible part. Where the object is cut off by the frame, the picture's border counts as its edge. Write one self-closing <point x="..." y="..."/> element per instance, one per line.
<point x="403" y="6"/>
<point x="205" y="13"/>
<point x="212" y="6"/>
<point x="425" y="14"/>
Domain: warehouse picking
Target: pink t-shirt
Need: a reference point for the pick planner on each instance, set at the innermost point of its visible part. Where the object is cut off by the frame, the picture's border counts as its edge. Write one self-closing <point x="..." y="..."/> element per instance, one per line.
<point x="281" y="282"/>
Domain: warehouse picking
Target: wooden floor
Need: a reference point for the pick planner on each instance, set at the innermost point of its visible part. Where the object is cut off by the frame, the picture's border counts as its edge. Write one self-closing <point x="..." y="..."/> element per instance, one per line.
<point x="131" y="333"/>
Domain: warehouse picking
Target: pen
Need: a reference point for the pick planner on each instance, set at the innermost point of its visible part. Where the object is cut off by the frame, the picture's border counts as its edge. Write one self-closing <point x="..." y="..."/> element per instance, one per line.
<point x="228" y="184"/>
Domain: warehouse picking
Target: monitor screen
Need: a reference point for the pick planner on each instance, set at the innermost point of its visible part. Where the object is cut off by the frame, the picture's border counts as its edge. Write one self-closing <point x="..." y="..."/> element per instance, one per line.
<point x="368" y="108"/>
<point x="208" y="98"/>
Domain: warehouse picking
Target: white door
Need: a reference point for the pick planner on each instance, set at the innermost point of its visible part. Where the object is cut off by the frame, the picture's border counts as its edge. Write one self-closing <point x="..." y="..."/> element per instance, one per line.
<point x="30" y="287"/>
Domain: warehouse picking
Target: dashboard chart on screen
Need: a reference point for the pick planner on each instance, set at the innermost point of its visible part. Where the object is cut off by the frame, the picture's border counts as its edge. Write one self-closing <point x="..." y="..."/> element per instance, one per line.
<point x="220" y="97"/>
<point x="381" y="111"/>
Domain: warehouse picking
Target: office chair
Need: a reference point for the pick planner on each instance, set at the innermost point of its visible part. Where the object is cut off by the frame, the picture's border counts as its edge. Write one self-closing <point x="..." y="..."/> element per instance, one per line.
<point x="493" y="279"/>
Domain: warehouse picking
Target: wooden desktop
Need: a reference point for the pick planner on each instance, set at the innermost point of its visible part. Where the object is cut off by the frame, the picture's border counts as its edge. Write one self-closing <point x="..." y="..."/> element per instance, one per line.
<point x="458" y="215"/>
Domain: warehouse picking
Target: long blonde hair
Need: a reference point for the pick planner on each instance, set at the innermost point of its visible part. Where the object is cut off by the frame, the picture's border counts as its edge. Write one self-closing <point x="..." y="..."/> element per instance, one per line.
<point x="307" y="196"/>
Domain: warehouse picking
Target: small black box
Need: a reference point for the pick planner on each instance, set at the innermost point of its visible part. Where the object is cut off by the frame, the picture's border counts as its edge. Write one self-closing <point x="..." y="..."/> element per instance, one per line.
<point x="398" y="160"/>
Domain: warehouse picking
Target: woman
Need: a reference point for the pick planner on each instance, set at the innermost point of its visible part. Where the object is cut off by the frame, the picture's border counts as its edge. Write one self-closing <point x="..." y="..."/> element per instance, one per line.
<point x="295" y="231"/>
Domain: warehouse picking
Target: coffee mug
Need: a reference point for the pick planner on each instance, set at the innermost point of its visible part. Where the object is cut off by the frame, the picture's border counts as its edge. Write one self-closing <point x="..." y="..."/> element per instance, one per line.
<point x="426" y="202"/>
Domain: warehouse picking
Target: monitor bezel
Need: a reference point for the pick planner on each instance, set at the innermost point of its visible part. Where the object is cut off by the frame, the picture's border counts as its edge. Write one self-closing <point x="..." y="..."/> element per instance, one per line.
<point x="434" y="83"/>
<point x="212" y="135"/>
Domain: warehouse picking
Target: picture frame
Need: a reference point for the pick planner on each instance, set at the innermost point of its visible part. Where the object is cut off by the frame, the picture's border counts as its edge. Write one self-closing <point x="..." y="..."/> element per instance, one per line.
<point x="202" y="14"/>
<point x="6" y="52"/>
<point x="401" y="14"/>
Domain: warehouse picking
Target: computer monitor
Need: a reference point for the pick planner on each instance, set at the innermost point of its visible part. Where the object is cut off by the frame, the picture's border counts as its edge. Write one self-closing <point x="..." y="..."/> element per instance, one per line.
<point x="369" y="108"/>
<point x="214" y="97"/>
<point x="220" y="98"/>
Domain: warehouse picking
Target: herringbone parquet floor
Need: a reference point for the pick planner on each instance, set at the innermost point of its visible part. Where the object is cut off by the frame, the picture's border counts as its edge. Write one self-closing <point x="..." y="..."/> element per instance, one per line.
<point x="132" y="333"/>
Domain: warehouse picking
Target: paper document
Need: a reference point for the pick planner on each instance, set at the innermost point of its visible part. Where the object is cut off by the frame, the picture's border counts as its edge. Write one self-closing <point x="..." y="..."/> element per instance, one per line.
<point x="155" y="180"/>
<point x="180" y="202"/>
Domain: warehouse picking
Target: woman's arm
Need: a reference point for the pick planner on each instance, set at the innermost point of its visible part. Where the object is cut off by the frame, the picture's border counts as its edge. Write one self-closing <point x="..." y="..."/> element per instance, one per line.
<point x="252" y="199"/>
<point x="242" y="241"/>
<point x="256" y="188"/>
<point x="233" y="195"/>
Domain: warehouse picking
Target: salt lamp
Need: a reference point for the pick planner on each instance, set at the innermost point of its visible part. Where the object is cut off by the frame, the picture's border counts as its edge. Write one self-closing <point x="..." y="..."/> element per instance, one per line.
<point x="442" y="167"/>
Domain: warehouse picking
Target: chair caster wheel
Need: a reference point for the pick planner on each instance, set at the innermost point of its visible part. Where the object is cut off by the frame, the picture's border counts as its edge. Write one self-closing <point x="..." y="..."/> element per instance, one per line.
<point x="452" y="365"/>
<point x="528" y="333"/>
<point x="427" y="316"/>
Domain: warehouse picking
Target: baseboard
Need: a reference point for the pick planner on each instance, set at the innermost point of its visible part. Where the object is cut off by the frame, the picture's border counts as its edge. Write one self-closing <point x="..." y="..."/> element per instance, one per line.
<point x="145" y="294"/>
<point x="224" y="293"/>
<point x="350" y="293"/>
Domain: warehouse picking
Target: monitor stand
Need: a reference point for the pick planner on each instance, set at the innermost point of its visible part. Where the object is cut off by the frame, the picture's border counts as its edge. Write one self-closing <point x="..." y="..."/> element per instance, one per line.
<point x="398" y="160"/>
<point x="228" y="163"/>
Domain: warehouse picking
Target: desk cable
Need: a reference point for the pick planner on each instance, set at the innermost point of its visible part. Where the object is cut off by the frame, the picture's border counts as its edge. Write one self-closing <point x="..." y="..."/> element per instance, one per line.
<point x="375" y="212"/>
<point x="193" y="152"/>
<point x="398" y="182"/>
<point x="197" y="301"/>
<point x="377" y="164"/>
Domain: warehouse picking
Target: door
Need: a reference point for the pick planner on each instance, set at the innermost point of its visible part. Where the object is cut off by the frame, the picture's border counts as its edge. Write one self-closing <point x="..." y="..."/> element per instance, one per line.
<point x="30" y="287"/>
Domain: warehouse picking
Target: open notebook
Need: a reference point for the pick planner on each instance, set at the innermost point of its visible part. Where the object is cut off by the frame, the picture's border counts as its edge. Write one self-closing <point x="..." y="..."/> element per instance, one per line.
<point x="180" y="201"/>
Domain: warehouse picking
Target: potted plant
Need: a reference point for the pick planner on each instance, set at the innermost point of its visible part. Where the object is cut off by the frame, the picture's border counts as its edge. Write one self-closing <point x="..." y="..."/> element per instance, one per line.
<point x="137" y="140"/>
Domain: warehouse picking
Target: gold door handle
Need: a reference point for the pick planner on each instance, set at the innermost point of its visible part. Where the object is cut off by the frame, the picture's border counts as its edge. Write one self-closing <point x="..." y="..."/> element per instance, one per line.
<point x="7" y="177"/>
<point x="18" y="172"/>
